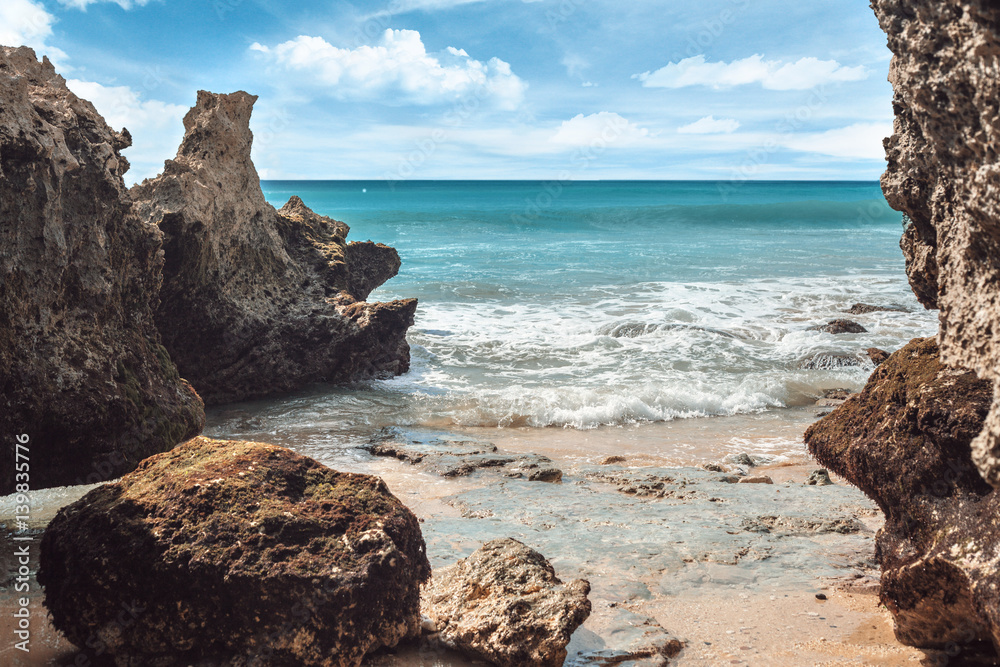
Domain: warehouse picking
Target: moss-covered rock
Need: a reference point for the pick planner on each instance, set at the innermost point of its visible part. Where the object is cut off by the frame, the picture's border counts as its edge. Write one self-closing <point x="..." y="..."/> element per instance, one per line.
<point x="239" y="551"/>
<point x="905" y="441"/>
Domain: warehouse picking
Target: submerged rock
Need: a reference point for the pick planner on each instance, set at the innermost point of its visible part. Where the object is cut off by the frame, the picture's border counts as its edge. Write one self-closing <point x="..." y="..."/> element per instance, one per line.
<point x="866" y="308"/>
<point x="257" y="301"/>
<point x="904" y="441"/>
<point x="837" y="327"/>
<point x="82" y="371"/>
<point x="449" y="457"/>
<point x="505" y="604"/>
<point x="237" y="550"/>
<point x="943" y="173"/>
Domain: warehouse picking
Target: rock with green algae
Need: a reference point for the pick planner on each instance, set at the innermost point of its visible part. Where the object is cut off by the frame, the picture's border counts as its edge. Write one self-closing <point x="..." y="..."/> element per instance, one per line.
<point x="240" y="552"/>
<point x="82" y="372"/>
<point x="905" y="441"/>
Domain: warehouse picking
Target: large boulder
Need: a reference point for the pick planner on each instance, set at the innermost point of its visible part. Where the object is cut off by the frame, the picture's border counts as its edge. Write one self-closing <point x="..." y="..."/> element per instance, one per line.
<point x="82" y="370"/>
<point x="235" y="550"/>
<point x="257" y="301"/>
<point x="904" y="441"/>
<point x="944" y="173"/>
<point x="504" y="604"/>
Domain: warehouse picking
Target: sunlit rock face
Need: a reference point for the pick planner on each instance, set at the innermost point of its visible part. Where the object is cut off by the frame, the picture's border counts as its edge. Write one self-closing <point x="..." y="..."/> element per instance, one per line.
<point x="945" y="175"/>
<point x="257" y="301"/>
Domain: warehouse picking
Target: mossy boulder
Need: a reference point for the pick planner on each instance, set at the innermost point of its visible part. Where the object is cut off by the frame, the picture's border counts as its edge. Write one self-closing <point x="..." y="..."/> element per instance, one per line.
<point x="905" y="441"/>
<point x="237" y="551"/>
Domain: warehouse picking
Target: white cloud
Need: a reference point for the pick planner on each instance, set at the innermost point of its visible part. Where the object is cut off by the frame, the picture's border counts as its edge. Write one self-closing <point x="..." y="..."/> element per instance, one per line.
<point x="771" y="74"/>
<point x="26" y="23"/>
<point x="83" y="4"/>
<point x="711" y="125"/>
<point x="398" y="70"/>
<point x="604" y="128"/>
<point x="861" y="140"/>
<point x="156" y="127"/>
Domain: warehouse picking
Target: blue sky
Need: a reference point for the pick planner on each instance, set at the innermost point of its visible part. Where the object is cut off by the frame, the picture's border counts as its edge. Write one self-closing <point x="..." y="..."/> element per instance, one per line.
<point x="505" y="89"/>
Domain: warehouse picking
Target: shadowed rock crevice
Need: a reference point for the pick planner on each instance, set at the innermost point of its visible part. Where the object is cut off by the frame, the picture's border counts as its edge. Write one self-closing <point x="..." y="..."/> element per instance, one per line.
<point x="257" y="301"/>
<point x="82" y="371"/>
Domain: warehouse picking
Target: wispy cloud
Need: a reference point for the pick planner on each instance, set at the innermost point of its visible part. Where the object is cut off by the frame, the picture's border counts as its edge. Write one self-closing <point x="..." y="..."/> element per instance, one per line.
<point x="861" y="140"/>
<point x="711" y="125"/>
<point x="83" y="4"/>
<point x="156" y="127"/>
<point x="398" y="70"/>
<point x="771" y="74"/>
<point x="606" y="126"/>
<point x="27" y="23"/>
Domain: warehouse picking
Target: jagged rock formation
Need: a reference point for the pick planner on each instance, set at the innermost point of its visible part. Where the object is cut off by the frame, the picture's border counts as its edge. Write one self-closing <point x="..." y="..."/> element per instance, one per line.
<point x="82" y="371"/>
<point x="248" y="553"/>
<point x="504" y="604"/>
<point x="257" y="301"/>
<point x="944" y="173"/>
<point x="904" y="441"/>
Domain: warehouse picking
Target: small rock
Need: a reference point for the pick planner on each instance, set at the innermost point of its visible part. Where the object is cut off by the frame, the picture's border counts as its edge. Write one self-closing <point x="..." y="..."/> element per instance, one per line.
<point x="876" y="355"/>
<point x="611" y="460"/>
<point x="546" y="475"/>
<point x="504" y="604"/>
<point x="757" y="479"/>
<point x="820" y="596"/>
<point x="838" y="394"/>
<point x="728" y="479"/>
<point x="820" y="477"/>
<point x="742" y="459"/>
<point x="840" y="327"/>
<point x="713" y="467"/>
<point x="866" y="308"/>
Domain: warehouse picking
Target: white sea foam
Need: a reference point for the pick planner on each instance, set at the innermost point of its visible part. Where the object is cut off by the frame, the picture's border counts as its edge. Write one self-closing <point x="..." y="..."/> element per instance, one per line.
<point x="656" y="352"/>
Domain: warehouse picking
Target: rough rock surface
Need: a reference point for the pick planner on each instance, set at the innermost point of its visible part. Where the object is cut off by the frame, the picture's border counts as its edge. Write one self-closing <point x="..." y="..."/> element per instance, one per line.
<point x="247" y="551"/>
<point x="505" y="604"/>
<point x="944" y="174"/>
<point x="866" y="308"/>
<point x="904" y="441"/>
<point x="257" y="301"/>
<point x="82" y="371"/>
<point x="837" y="327"/>
<point x="453" y="457"/>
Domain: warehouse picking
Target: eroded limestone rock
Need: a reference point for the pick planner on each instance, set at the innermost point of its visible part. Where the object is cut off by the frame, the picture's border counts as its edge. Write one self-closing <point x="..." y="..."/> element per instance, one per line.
<point x="944" y="174"/>
<point x="239" y="551"/>
<point x="82" y="371"/>
<point x="505" y="604"/>
<point x="257" y="301"/>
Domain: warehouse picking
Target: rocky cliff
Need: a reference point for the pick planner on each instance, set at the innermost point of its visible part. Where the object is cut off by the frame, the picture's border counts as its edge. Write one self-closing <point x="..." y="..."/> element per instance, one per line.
<point x="257" y="301"/>
<point x="944" y="174"/>
<point x="82" y="371"/>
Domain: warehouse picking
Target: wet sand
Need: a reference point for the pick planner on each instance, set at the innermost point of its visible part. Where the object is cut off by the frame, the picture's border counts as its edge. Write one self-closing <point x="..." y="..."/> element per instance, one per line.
<point x="681" y="561"/>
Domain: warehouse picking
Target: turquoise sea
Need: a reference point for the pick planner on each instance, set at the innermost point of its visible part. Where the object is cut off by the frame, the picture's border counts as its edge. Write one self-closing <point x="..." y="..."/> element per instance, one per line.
<point x="614" y="303"/>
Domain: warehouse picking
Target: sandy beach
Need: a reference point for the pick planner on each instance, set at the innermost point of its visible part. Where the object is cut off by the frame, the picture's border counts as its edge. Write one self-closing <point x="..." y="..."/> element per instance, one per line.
<point x="734" y="596"/>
